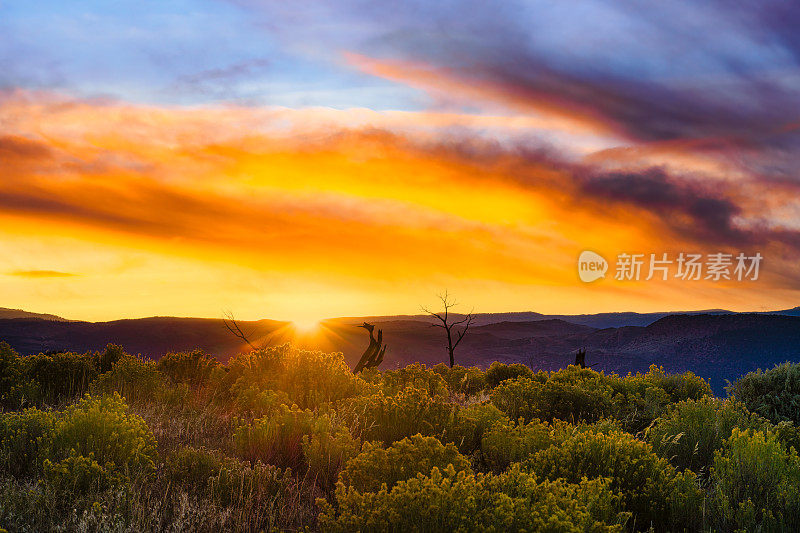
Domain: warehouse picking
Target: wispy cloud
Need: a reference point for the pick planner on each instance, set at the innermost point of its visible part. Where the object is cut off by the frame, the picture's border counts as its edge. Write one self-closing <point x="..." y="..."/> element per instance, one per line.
<point x="41" y="274"/>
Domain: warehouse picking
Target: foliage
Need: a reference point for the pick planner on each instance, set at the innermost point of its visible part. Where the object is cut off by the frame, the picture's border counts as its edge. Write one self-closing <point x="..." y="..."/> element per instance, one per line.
<point x="499" y="372"/>
<point x="692" y="430"/>
<point x="191" y="368"/>
<point x="56" y="378"/>
<point x="104" y="361"/>
<point x="573" y="394"/>
<point x="774" y="394"/>
<point x="25" y="438"/>
<point x="648" y="485"/>
<point x="299" y="439"/>
<point x="471" y="423"/>
<point x="309" y="378"/>
<point x="754" y="484"/>
<point x="252" y="444"/>
<point x="414" y="376"/>
<point x="376" y="466"/>
<point x="102" y="428"/>
<point x="392" y="418"/>
<point x="227" y="480"/>
<point x="134" y="378"/>
<point x="448" y="500"/>
<point x="468" y="381"/>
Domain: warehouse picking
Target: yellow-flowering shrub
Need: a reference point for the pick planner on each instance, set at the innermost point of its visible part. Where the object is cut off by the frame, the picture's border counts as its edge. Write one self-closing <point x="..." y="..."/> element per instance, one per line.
<point x="376" y="466"/>
<point x="447" y="500"/>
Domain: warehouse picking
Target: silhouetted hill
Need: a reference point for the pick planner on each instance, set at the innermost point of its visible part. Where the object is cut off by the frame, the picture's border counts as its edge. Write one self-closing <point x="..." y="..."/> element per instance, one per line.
<point x="19" y="313"/>
<point x="716" y="346"/>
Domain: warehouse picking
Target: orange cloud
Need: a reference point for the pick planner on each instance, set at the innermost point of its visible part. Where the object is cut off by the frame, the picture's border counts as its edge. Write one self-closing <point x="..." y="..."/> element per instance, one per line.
<point x="346" y="212"/>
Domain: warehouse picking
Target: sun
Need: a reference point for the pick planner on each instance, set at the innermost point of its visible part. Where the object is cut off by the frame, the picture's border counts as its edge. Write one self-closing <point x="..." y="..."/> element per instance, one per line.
<point x="306" y="325"/>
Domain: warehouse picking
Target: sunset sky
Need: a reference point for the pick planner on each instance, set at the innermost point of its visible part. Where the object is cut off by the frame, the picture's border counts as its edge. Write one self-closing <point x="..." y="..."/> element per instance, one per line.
<point x="309" y="159"/>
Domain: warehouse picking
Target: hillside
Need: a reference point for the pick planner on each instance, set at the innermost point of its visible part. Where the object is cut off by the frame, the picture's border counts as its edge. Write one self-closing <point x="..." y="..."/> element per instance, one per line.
<point x="715" y="346"/>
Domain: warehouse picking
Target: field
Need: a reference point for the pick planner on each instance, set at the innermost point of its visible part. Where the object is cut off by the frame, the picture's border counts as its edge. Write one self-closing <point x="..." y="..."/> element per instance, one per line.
<point x="287" y="439"/>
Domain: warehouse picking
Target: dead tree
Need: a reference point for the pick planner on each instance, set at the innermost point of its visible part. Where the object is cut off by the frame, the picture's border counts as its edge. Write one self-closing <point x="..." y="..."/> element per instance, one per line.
<point x="454" y="333"/>
<point x="373" y="356"/>
<point x="230" y="323"/>
<point x="580" y="358"/>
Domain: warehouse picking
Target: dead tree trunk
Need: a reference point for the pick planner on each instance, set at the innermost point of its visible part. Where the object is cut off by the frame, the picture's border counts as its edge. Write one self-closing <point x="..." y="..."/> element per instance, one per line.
<point x="373" y="356"/>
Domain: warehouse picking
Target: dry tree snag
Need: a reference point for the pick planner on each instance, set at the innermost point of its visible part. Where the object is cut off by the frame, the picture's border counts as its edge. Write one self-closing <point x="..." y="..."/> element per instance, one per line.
<point x="230" y="323"/>
<point x="580" y="358"/>
<point x="454" y="336"/>
<point x="373" y="356"/>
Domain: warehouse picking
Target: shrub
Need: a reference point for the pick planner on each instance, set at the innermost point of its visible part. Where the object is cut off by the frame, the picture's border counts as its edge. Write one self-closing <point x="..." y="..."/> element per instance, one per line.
<point x="102" y="429"/>
<point x="648" y="485"/>
<point x="310" y="378"/>
<point x="25" y="440"/>
<point x="298" y="439"/>
<point x="468" y="381"/>
<point x="79" y="475"/>
<point x="573" y="394"/>
<point x="104" y="361"/>
<point x="692" y="430"/>
<point x="416" y="376"/>
<point x="191" y="368"/>
<point x="459" y="501"/>
<point x="754" y="484"/>
<point x="136" y="379"/>
<point x="641" y="398"/>
<point x="505" y="442"/>
<point x="392" y="418"/>
<point x="10" y="377"/>
<point x="499" y="372"/>
<point x="774" y="394"/>
<point x="471" y="423"/>
<point x="58" y="377"/>
<point x="376" y="466"/>
<point x="227" y="480"/>
<point x="258" y="402"/>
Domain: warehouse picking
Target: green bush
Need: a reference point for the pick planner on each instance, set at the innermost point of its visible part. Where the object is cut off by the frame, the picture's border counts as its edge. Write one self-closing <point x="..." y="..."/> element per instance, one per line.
<point x="25" y="440"/>
<point x="191" y="368"/>
<point x="136" y="379"/>
<point x="468" y="381"/>
<point x="79" y="475"/>
<point x="416" y="376"/>
<point x="101" y="428"/>
<point x="104" y="361"/>
<point x="11" y="392"/>
<point x="471" y="423"/>
<point x="309" y="378"/>
<point x="228" y="481"/>
<point x="506" y="442"/>
<point x="774" y="394"/>
<point x="499" y="372"/>
<point x="573" y="395"/>
<point x="57" y="378"/>
<point x="692" y="430"/>
<point x="448" y="501"/>
<point x="641" y="398"/>
<point x="376" y="466"/>
<point x="392" y="418"/>
<point x="258" y="402"/>
<point x="298" y="439"/>
<point x="650" y="488"/>
<point x="754" y="485"/>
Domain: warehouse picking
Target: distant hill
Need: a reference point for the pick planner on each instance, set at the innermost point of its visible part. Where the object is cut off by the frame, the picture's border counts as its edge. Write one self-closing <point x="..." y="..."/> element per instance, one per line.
<point x="19" y="313"/>
<point x="718" y="346"/>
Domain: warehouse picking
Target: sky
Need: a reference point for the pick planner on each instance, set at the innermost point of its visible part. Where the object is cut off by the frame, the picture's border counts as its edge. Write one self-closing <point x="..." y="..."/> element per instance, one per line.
<point x="310" y="159"/>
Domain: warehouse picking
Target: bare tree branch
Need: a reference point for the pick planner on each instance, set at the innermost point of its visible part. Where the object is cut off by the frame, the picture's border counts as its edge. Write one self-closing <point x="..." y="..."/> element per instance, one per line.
<point x="230" y="323"/>
<point x="448" y="324"/>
